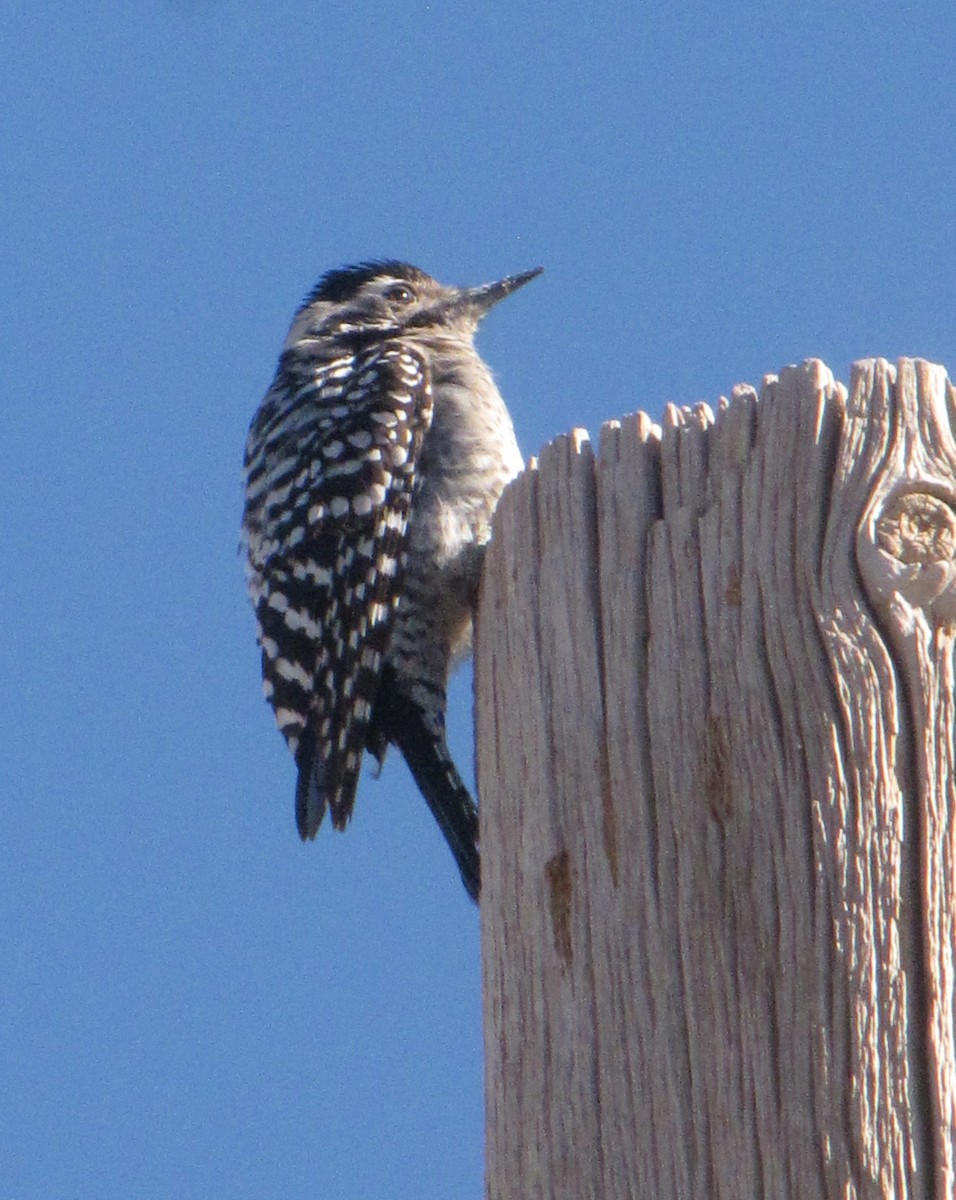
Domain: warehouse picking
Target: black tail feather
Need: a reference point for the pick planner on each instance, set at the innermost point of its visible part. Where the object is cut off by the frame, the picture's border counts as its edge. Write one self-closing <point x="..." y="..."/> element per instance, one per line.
<point x="400" y="721"/>
<point x="446" y="795"/>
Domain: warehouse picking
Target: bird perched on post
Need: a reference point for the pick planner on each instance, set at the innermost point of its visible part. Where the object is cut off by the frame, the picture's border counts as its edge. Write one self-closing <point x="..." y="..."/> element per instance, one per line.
<point x="372" y="469"/>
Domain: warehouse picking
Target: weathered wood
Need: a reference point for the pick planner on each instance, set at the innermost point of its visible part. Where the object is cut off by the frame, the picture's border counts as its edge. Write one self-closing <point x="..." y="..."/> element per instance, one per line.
<point x="715" y="717"/>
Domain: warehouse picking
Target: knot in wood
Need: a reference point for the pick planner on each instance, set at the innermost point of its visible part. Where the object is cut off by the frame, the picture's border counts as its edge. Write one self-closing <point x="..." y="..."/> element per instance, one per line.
<point x="910" y="554"/>
<point x="558" y="873"/>
<point x="917" y="528"/>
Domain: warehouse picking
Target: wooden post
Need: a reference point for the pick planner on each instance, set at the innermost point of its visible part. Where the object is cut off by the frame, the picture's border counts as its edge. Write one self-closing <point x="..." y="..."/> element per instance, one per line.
<point x="716" y="726"/>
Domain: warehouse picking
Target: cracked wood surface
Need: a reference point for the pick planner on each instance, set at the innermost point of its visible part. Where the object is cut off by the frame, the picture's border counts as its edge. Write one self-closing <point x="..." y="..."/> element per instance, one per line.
<point x="714" y="679"/>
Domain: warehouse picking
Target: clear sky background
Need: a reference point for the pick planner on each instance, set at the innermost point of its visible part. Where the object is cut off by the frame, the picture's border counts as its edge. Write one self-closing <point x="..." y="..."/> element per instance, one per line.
<point x="192" y="1003"/>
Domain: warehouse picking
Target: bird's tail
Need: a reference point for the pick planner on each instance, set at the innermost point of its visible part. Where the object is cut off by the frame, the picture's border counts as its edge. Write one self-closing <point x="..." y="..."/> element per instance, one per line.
<point x="401" y="721"/>
<point x="446" y="795"/>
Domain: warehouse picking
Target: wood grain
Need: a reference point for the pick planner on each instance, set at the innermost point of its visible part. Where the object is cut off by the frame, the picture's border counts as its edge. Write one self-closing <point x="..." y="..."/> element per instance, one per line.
<point x="714" y="680"/>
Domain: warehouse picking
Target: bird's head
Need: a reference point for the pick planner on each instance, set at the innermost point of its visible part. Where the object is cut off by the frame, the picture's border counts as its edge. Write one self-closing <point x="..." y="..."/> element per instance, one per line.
<point x="392" y="299"/>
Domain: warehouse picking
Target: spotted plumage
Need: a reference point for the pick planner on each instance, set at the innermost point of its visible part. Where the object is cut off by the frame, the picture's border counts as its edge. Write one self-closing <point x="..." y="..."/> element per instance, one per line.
<point x="372" y="469"/>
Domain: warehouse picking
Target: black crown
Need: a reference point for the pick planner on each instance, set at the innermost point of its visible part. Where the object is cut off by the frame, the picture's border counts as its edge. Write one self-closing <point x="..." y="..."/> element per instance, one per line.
<point x="343" y="283"/>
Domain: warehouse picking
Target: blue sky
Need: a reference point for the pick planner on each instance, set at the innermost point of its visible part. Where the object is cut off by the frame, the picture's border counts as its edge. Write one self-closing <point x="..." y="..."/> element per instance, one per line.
<point x="194" y="1004"/>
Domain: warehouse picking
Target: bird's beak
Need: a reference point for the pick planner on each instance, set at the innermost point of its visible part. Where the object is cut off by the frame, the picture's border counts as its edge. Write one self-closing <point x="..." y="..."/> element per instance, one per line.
<point x="480" y="299"/>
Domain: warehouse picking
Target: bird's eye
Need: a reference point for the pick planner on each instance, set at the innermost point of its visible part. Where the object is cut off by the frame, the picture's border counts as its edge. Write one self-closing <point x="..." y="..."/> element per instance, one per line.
<point x="399" y="294"/>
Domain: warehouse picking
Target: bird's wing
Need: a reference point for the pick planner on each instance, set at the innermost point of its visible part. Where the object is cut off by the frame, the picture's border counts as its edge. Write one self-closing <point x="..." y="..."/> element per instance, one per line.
<point x="330" y="467"/>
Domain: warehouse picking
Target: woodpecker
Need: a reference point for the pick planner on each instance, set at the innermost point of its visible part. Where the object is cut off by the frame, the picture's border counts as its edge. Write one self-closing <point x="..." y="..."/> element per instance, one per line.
<point x="372" y="469"/>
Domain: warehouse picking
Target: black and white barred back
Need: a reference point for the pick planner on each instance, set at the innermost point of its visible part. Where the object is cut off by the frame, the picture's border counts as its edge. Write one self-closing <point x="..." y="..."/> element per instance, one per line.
<point x="372" y="469"/>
